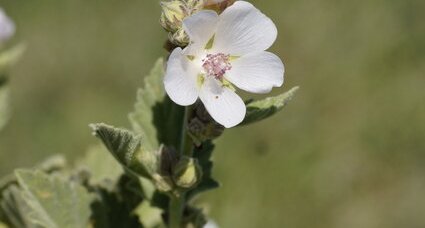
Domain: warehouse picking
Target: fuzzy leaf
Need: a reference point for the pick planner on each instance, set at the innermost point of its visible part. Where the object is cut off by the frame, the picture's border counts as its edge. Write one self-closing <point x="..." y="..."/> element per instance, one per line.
<point x="14" y="210"/>
<point x="125" y="147"/>
<point x="116" y="208"/>
<point x="262" y="109"/>
<point x="155" y="117"/>
<point x="53" y="202"/>
<point x="203" y="154"/>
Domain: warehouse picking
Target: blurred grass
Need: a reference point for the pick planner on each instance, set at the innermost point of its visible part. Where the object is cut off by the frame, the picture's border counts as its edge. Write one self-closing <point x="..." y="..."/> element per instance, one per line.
<point x="347" y="152"/>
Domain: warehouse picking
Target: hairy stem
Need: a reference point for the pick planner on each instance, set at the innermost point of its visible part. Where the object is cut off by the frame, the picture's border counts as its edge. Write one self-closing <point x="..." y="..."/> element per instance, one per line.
<point x="177" y="202"/>
<point x="176" y="211"/>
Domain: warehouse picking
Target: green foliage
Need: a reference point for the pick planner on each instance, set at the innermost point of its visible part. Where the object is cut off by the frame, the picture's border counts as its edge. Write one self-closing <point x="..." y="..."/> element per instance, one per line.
<point x="14" y="209"/>
<point x="262" y="109"/>
<point x="155" y="117"/>
<point x="203" y="155"/>
<point x="135" y="191"/>
<point x="43" y="194"/>
<point x="125" y="147"/>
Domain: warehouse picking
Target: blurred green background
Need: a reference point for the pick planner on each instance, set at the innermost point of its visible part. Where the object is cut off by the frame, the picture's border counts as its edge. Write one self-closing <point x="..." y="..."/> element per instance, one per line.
<point x="349" y="151"/>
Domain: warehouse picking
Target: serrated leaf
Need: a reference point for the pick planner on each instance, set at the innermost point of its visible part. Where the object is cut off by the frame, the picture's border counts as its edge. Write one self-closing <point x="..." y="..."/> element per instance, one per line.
<point x="125" y="146"/>
<point x="13" y="208"/>
<point x="116" y="208"/>
<point x="53" y="202"/>
<point x="52" y="164"/>
<point x="155" y="117"/>
<point x="262" y="109"/>
<point x="203" y="155"/>
<point x="107" y="171"/>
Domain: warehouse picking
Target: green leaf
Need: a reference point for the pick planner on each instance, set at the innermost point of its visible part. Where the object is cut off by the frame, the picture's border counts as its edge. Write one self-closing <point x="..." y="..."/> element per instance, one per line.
<point x="51" y="165"/>
<point x="54" y="202"/>
<point x="116" y="208"/>
<point x="262" y="109"/>
<point x="149" y="216"/>
<point x="125" y="146"/>
<point x="14" y="210"/>
<point x="203" y="154"/>
<point x="155" y="117"/>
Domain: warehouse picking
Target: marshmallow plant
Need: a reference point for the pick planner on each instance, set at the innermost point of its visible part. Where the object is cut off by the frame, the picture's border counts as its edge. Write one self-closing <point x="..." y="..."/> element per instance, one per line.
<point x="217" y="49"/>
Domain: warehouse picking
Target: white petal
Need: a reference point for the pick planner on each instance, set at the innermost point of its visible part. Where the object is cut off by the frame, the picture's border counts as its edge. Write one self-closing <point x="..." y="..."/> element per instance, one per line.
<point x="7" y="27"/>
<point x="223" y="104"/>
<point x="180" y="79"/>
<point x="257" y="72"/>
<point x="200" y="28"/>
<point x="243" y="29"/>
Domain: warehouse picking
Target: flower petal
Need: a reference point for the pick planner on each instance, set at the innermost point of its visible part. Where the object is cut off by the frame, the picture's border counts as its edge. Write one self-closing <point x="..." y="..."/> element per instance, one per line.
<point x="222" y="103"/>
<point x="257" y="72"/>
<point x="200" y="28"/>
<point x="180" y="79"/>
<point x="242" y="29"/>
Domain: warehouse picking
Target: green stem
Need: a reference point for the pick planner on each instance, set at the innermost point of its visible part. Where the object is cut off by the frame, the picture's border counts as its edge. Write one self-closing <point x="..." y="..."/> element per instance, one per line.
<point x="176" y="211"/>
<point x="177" y="203"/>
<point x="186" y="144"/>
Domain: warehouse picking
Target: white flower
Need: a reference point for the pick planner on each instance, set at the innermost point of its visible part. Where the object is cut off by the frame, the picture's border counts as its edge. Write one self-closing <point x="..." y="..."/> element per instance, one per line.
<point x="7" y="27"/>
<point x="224" y="50"/>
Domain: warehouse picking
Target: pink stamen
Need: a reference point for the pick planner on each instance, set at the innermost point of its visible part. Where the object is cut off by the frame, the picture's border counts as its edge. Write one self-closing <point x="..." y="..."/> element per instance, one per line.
<point x="216" y="65"/>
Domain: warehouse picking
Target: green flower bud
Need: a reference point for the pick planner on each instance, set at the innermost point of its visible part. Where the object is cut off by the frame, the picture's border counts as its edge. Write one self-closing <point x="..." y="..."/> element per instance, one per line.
<point x="180" y="38"/>
<point x="202" y="126"/>
<point x="187" y="173"/>
<point x="173" y="13"/>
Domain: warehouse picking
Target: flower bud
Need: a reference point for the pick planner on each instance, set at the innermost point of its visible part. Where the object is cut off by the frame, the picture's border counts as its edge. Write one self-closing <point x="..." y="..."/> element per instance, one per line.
<point x="7" y="27"/>
<point x="173" y="13"/>
<point x="202" y="126"/>
<point x="218" y="5"/>
<point x="180" y="38"/>
<point x="187" y="173"/>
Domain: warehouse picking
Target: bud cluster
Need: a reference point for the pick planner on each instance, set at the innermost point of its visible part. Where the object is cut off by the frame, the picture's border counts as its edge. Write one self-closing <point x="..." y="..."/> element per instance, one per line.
<point x="202" y="126"/>
<point x="176" y="173"/>
<point x="175" y="11"/>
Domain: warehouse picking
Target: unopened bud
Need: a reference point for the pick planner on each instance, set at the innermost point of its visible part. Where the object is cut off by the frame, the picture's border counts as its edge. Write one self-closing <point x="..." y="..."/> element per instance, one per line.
<point x="180" y="38"/>
<point x="187" y="173"/>
<point x="218" y="5"/>
<point x="173" y="13"/>
<point x="202" y="126"/>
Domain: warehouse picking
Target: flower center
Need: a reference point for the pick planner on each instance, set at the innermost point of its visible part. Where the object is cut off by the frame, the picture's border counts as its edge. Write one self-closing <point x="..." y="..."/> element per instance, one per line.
<point x="216" y="65"/>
